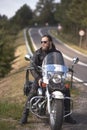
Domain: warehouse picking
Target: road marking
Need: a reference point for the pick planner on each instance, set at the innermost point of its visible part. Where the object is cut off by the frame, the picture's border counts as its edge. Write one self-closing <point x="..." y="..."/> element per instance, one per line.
<point x="70" y="59"/>
<point x="32" y="39"/>
<point x="40" y="32"/>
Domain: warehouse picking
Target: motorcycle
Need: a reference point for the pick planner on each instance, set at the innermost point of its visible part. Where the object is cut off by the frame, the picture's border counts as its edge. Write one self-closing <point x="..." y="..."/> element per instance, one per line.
<point x="49" y="101"/>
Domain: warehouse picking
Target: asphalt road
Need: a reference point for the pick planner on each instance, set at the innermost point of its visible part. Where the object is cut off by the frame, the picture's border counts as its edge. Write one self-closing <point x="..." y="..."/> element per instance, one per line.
<point x="68" y="53"/>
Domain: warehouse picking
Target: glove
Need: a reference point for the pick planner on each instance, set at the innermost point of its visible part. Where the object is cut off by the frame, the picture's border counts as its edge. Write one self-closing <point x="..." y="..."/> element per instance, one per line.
<point x="40" y="82"/>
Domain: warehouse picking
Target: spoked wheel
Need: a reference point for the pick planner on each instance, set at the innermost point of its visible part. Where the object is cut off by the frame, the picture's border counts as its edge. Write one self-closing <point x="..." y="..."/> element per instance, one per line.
<point x="56" y="114"/>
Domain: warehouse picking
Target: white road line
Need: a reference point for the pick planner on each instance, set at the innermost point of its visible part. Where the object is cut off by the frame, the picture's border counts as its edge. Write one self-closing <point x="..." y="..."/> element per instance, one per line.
<point x="32" y="39"/>
<point x="40" y="32"/>
<point x="27" y="44"/>
<point x="70" y="59"/>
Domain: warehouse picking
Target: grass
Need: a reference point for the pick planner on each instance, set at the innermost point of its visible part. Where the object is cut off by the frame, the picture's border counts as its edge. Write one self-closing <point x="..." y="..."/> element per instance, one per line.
<point x="12" y="98"/>
<point x="10" y="110"/>
<point x="68" y="42"/>
<point x="5" y="125"/>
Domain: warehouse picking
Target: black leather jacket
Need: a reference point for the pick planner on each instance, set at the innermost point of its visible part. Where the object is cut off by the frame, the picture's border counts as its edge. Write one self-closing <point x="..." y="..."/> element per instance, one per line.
<point x="37" y="59"/>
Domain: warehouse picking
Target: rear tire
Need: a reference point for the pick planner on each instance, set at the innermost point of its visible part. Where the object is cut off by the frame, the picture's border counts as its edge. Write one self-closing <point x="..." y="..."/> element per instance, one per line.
<point x="56" y="114"/>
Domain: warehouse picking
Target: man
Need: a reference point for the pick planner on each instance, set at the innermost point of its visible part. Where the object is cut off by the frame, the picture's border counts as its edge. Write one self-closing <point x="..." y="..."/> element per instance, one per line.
<point x="47" y="46"/>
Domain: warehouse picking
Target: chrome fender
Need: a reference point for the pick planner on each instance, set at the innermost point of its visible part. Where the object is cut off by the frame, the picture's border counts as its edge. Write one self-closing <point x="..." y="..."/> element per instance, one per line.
<point x="57" y="95"/>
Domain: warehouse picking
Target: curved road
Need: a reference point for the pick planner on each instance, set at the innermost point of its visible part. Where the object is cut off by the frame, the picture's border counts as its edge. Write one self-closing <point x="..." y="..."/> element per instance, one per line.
<point x="68" y="53"/>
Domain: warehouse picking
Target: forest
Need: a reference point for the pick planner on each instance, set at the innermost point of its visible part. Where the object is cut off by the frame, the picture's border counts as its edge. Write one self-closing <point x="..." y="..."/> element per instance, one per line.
<point x="70" y="14"/>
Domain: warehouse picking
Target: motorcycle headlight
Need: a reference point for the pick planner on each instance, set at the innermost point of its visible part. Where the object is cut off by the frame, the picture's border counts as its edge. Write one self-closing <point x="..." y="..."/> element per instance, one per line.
<point x="56" y="78"/>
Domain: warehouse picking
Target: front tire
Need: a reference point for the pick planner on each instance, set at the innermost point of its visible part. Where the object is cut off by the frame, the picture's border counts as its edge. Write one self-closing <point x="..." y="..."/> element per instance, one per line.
<point x="56" y="114"/>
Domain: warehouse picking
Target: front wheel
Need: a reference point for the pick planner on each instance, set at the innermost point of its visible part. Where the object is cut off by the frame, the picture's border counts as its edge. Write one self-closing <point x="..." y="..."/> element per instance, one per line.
<point x="56" y="114"/>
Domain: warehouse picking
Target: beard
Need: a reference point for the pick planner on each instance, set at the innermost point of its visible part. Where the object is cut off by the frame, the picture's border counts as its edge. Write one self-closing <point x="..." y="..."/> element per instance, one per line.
<point x="45" y="48"/>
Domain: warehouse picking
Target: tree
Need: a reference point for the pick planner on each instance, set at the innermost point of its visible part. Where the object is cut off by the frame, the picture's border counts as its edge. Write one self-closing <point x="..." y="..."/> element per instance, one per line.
<point x="60" y="13"/>
<point x="77" y="14"/>
<point x="23" y="16"/>
<point x="7" y="56"/>
<point x="8" y="31"/>
<point x="3" y="21"/>
<point x="6" y="47"/>
<point x="6" y="53"/>
<point x="45" y="11"/>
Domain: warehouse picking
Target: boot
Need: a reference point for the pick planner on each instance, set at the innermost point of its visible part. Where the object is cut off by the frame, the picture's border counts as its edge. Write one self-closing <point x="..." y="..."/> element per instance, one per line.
<point x="26" y="109"/>
<point x="24" y="117"/>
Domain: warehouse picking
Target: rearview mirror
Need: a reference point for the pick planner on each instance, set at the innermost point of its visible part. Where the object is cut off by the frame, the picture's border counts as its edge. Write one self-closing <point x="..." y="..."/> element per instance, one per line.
<point x="75" y="60"/>
<point x="27" y="57"/>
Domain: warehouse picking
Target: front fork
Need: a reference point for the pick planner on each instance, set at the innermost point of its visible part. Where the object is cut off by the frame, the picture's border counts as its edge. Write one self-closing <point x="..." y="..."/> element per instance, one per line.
<point x="55" y="95"/>
<point x="48" y="100"/>
<point x="60" y="96"/>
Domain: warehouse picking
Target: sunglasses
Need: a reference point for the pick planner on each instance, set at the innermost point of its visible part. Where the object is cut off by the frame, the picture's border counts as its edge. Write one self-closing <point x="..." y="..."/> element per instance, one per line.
<point x="44" y="42"/>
